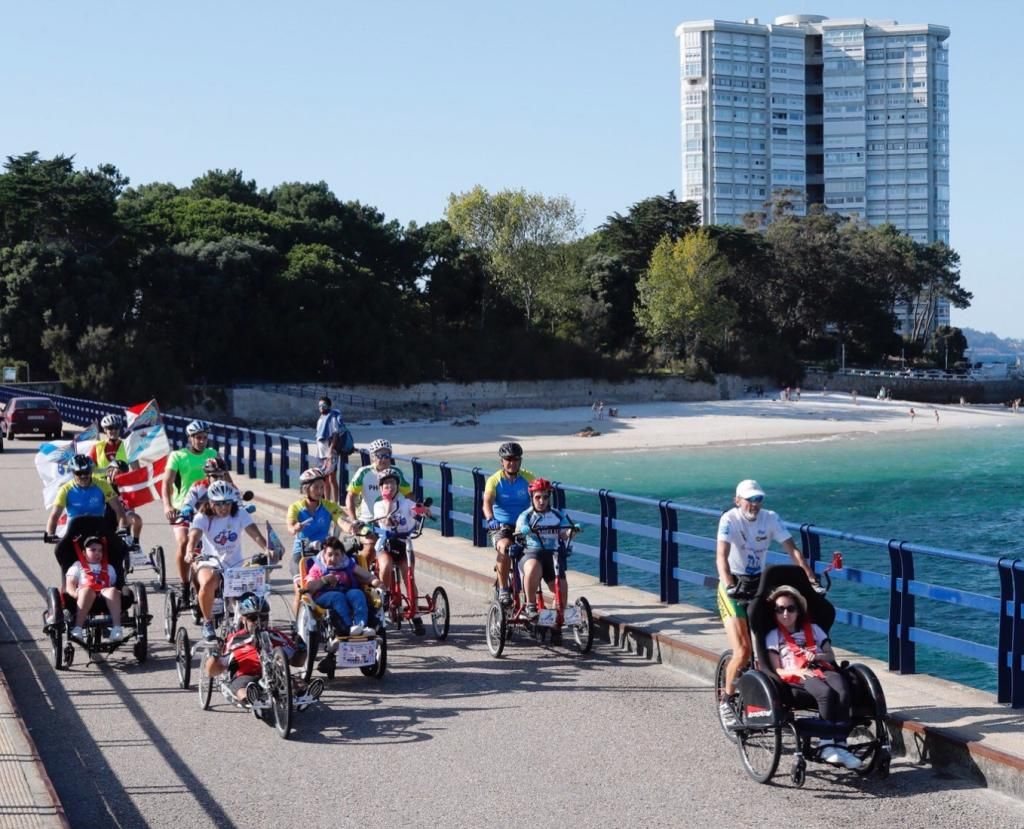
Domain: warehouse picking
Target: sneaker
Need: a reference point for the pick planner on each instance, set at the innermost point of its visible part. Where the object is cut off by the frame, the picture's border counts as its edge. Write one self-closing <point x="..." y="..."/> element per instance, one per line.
<point x="417" y="626"/>
<point x="830" y="754"/>
<point x="505" y="597"/>
<point x="315" y="688"/>
<point x="355" y="630"/>
<point x="369" y="630"/>
<point x="530" y="613"/>
<point x="846" y="758"/>
<point x="727" y="712"/>
<point x="116" y="634"/>
<point x="327" y="664"/>
<point x="77" y="633"/>
<point x="209" y="632"/>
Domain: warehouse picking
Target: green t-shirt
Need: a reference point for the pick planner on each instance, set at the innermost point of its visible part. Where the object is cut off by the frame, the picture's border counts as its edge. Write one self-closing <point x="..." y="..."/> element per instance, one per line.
<point x="189" y="467"/>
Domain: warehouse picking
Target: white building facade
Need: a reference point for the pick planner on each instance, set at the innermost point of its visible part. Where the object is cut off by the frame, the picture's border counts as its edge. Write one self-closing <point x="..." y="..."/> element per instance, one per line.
<point x="852" y="114"/>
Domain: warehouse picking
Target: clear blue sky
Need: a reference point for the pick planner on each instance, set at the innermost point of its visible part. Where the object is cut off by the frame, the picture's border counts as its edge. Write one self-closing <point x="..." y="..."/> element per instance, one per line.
<point x="397" y="104"/>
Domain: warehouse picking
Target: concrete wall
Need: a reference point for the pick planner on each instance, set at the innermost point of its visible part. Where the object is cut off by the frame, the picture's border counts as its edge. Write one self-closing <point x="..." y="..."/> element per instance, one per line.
<point x="259" y="405"/>
<point x="919" y="389"/>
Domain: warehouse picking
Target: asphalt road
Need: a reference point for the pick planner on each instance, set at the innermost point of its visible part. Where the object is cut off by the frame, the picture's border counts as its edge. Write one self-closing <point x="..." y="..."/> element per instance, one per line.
<point x="451" y="736"/>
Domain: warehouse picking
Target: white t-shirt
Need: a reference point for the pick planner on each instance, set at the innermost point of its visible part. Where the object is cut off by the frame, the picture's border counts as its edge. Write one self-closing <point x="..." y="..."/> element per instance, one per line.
<point x="222" y="537"/>
<point x="399" y="511"/>
<point x="75" y="571"/>
<point x="775" y="642"/>
<point x="749" y="540"/>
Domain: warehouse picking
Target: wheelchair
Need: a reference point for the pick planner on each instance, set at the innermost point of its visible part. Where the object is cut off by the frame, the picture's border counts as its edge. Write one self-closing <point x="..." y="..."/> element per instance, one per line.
<point x="767" y="709"/>
<point x="59" y="615"/>
<point x="314" y="626"/>
<point x="503" y="621"/>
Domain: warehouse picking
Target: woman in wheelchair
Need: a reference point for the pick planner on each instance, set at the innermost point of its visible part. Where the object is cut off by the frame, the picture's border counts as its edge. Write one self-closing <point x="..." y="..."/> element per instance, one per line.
<point x="91" y="576"/>
<point x="801" y="654"/>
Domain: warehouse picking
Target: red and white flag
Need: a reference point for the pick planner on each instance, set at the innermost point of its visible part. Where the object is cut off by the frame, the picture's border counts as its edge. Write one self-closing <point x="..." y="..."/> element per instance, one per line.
<point x="142" y="485"/>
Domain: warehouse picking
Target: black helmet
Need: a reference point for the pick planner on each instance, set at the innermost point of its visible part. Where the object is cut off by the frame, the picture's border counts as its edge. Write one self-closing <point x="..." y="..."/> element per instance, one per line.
<point x="510" y="450"/>
<point x="80" y="465"/>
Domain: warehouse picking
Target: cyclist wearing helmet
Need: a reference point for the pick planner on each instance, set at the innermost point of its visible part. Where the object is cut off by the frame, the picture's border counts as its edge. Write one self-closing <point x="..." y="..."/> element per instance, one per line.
<point x="84" y="494"/>
<point x="215" y="469"/>
<point x="184" y="468"/>
<point x="393" y="514"/>
<point x="241" y="658"/>
<point x="505" y="497"/>
<point x="110" y="447"/>
<point x="329" y="430"/>
<point x="365" y="483"/>
<point x="221" y="536"/>
<point x="541" y="528"/>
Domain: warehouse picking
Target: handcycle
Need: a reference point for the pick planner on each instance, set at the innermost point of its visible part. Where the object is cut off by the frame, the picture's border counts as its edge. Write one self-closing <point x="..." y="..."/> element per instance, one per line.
<point x="313" y="624"/>
<point x="766" y="708"/>
<point x="274" y="700"/>
<point x="58" y="617"/>
<point x="401" y="602"/>
<point x="503" y="620"/>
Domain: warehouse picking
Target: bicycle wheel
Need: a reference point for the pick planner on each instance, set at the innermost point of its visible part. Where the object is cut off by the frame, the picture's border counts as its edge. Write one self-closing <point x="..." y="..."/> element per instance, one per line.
<point x="171" y="614"/>
<point x="496" y="629"/>
<point x="583" y="631"/>
<point x="441" y="616"/>
<point x="140" y="617"/>
<point x="183" y="658"/>
<point x="312" y="646"/>
<point x="56" y="628"/>
<point x="760" y="748"/>
<point x="205" y="682"/>
<point x="378" y="668"/>
<point x="156" y="556"/>
<point x="281" y="692"/>
<point x="723" y="661"/>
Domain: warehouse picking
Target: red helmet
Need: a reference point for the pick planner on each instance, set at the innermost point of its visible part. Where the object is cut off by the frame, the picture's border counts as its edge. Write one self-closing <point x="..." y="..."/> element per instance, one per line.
<point x="540" y="485"/>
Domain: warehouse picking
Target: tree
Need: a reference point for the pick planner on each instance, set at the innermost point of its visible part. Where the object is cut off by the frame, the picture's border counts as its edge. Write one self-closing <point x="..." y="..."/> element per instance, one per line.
<point x="680" y="302"/>
<point x="518" y="234"/>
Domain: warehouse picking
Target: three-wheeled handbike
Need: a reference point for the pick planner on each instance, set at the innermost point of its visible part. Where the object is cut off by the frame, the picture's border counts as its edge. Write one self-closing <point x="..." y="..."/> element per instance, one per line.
<point x="504" y="620"/>
<point x="765" y="709"/>
<point x="59" y="615"/>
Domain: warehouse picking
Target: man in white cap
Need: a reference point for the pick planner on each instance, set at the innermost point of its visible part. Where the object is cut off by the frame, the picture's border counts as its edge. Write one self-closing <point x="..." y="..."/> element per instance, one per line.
<point x="744" y="533"/>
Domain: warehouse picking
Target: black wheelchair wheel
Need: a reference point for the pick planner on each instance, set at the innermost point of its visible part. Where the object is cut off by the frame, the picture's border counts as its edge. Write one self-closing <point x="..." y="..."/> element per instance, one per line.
<point x="183" y="658"/>
<point x="583" y="631"/>
<point x="378" y="668"/>
<point x="496" y="629"/>
<point x="760" y="746"/>
<point x="723" y="661"/>
<point x="312" y="646"/>
<point x="205" y="682"/>
<point x="170" y="614"/>
<point x="140" y="617"/>
<point x="156" y="556"/>
<point x="280" y="681"/>
<point x="441" y="615"/>
<point x="55" y="612"/>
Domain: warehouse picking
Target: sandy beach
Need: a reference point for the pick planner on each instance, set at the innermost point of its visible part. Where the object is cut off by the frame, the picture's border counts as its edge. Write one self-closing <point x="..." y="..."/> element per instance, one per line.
<point x="670" y="425"/>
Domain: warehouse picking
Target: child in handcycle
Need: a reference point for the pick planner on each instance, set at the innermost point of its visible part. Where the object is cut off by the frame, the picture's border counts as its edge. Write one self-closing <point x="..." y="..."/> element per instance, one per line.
<point x="241" y="657"/>
<point x="91" y="576"/>
<point x="542" y="530"/>
<point x="220" y="533"/>
<point x="395" y="515"/>
<point x="334" y="581"/>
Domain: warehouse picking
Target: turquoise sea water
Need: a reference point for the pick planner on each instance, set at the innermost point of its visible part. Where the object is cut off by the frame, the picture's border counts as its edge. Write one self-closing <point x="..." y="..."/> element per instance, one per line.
<point x="951" y="488"/>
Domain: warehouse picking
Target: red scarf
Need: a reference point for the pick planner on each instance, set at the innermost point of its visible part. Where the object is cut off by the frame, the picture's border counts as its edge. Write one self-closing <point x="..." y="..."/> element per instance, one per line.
<point x="800" y="654"/>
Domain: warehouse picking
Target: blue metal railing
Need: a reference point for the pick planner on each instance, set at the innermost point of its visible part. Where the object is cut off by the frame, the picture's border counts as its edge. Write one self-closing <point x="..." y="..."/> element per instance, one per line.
<point x="673" y="547"/>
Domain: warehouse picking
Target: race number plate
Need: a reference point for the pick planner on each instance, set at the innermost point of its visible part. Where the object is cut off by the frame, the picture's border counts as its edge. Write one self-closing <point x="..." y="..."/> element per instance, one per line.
<point x="244" y="580"/>
<point x="571" y="616"/>
<point x="357" y="654"/>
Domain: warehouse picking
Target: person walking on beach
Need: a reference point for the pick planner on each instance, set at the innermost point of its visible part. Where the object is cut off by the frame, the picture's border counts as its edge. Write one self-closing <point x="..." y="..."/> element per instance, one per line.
<point x="913" y="414"/>
<point x="853" y="394"/>
<point x="936" y="416"/>
<point x="744" y="533"/>
<point x="600" y="409"/>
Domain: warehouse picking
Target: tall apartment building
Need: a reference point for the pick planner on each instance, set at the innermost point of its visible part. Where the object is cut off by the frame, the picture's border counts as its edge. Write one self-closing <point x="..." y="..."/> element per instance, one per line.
<point x="852" y="114"/>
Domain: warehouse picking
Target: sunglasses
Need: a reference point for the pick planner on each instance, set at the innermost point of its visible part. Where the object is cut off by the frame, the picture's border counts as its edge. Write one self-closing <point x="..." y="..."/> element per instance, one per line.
<point x="222" y="504"/>
<point x="83" y="474"/>
<point x="785" y="608"/>
<point x="756" y="499"/>
<point x="381" y="455"/>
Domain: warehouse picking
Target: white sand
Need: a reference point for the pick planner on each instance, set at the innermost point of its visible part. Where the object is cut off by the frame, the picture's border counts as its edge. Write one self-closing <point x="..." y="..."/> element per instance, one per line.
<point x="668" y="425"/>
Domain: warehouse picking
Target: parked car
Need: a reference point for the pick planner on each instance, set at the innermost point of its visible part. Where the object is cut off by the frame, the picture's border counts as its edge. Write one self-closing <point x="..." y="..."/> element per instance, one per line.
<point x="31" y="416"/>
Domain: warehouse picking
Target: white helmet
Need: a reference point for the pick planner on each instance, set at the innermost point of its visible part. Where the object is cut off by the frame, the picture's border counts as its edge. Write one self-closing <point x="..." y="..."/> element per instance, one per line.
<point x="379" y="445"/>
<point x="222" y="492"/>
<point x="196" y="427"/>
<point x="112" y="421"/>
<point x="314" y="473"/>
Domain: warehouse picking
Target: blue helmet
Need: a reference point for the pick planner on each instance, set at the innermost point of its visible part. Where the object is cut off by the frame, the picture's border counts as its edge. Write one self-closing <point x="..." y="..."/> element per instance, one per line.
<point x="251" y="605"/>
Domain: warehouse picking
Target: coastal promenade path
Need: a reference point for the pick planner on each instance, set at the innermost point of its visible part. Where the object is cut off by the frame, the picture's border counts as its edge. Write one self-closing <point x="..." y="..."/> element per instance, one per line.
<point x="449" y="736"/>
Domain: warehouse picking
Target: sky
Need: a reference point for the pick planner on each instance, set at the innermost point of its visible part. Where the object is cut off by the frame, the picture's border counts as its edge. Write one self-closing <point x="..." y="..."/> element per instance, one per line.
<point x="399" y="104"/>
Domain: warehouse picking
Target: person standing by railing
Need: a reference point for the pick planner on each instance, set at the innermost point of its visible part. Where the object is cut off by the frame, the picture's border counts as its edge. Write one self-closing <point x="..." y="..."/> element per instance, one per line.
<point x="330" y="430"/>
<point x="744" y="533"/>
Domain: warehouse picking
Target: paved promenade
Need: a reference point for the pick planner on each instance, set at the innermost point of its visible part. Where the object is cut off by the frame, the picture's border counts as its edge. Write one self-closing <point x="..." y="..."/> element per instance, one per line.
<point x="449" y="736"/>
